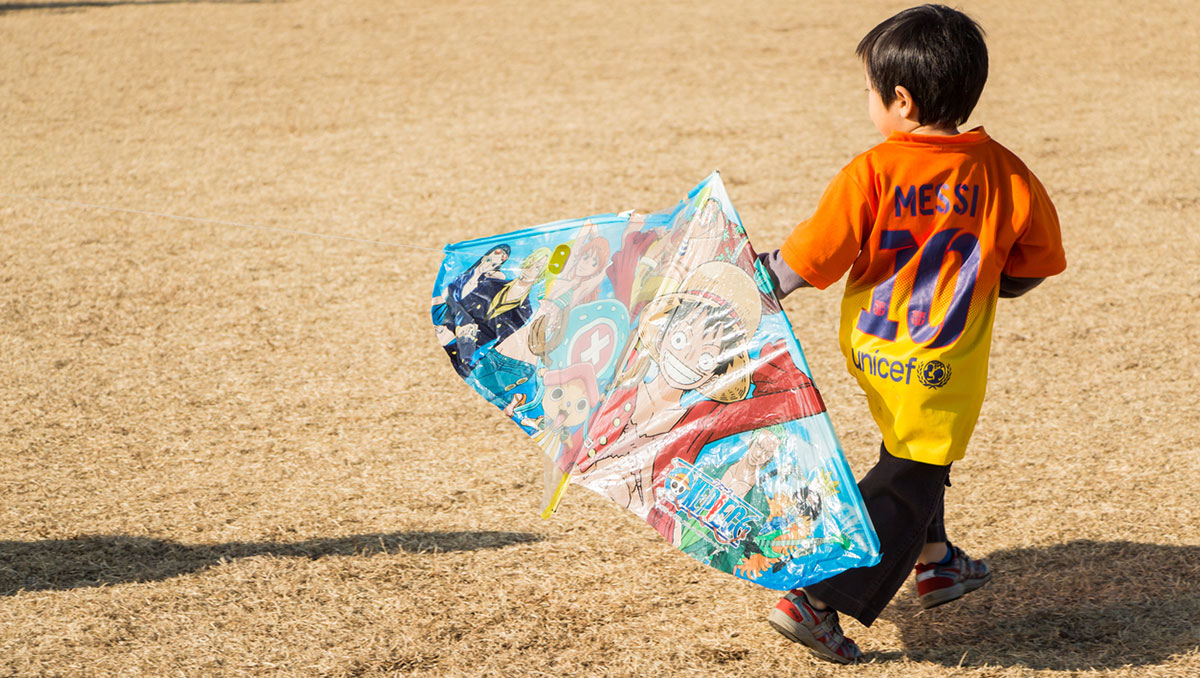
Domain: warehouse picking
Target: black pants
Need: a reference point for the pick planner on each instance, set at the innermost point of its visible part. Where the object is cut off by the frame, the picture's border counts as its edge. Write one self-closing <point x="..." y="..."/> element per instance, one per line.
<point x="905" y="501"/>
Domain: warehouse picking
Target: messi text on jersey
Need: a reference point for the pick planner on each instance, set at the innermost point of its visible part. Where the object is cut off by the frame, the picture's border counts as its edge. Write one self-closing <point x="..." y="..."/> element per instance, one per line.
<point x="929" y="199"/>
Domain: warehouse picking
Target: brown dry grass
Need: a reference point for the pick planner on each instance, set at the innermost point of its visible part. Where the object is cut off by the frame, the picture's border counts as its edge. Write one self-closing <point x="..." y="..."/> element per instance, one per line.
<point x="236" y="452"/>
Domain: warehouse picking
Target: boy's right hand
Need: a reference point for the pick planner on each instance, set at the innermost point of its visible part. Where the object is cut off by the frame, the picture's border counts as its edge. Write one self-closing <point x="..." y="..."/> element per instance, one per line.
<point x="783" y="278"/>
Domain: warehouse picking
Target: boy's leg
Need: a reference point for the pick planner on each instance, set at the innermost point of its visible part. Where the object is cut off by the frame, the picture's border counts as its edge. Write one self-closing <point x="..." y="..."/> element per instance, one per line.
<point x="944" y="572"/>
<point x="800" y="621"/>
<point x="902" y="497"/>
<point x="937" y="544"/>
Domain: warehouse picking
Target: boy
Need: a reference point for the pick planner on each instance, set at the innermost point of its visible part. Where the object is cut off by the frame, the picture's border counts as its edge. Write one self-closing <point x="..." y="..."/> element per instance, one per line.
<point x="932" y="225"/>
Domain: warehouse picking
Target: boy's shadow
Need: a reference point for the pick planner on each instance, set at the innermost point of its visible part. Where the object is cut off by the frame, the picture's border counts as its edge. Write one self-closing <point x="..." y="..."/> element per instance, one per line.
<point x="1077" y="606"/>
<point x="87" y="4"/>
<point x="101" y="560"/>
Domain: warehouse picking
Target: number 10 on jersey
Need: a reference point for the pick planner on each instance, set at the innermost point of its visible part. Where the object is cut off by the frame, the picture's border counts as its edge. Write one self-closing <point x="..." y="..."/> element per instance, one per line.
<point x="876" y="320"/>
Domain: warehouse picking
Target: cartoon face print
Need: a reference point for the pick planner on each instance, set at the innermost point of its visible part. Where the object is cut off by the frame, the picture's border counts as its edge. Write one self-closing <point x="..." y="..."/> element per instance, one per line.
<point x="675" y="486"/>
<point x="709" y="233"/>
<point x="710" y="223"/>
<point x="492" y="260"/>
<point x="589" y="263"/>
<point x="808" y="503"/>
<point x="533" y="268"/>
<point x="567" y="405"/>
<point x="762" y="449"/>
<point x="692" y="347"/>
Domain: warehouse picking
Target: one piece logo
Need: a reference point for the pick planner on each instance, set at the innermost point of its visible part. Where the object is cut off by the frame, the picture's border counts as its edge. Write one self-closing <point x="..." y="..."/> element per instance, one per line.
<point x="934" y="374"/>
<point x="685" y="489"/>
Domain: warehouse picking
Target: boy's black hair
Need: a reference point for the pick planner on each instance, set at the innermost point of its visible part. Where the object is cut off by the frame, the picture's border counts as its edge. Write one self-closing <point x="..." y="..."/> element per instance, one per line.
<point x="936" y="53"/>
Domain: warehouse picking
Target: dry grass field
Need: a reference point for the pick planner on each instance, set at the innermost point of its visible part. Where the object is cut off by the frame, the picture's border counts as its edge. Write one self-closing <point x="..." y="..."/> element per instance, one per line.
<point x="239" y="451"/>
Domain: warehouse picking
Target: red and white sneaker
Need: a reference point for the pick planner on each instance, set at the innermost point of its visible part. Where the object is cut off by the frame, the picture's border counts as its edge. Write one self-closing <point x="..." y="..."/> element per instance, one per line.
<point x="939" y="584"/>
<point x="818" y="630"/>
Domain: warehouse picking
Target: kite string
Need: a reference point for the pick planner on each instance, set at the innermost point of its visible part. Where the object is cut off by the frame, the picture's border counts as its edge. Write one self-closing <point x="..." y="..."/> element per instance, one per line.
<point x="220" y="222"/>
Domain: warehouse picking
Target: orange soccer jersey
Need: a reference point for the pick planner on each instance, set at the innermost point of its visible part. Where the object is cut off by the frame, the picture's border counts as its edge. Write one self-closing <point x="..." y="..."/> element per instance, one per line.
<point x="926" y="225"/>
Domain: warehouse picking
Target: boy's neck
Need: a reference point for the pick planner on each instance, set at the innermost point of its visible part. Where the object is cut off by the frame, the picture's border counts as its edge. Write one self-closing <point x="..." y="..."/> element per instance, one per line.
<point x="930" y="130"/>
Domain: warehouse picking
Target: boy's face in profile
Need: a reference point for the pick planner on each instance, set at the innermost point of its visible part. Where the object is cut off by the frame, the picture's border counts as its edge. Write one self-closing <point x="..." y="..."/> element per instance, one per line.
<point x="887" y="119"/>
<point x="902" y="115"/>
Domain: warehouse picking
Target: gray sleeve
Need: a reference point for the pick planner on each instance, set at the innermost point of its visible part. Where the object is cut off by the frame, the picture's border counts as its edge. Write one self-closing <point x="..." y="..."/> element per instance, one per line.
<point x="783" y="277"/>
<point x="1011" y="287"/>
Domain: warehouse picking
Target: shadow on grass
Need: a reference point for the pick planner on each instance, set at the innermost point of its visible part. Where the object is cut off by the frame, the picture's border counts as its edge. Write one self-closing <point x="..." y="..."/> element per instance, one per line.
<point x="86" y="4"/>
<point x="101" y="560"/>
<point x="1069" y="607"/>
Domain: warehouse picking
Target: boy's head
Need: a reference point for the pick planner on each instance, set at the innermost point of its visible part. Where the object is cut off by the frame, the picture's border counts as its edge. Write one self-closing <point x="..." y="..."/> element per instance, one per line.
<point x="935" y="53"/>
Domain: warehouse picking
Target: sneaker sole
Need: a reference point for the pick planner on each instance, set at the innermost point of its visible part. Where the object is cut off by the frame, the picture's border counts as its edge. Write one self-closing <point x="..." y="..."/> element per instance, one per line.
<point x="943" y="596"/>
<point x="798" y="633"/>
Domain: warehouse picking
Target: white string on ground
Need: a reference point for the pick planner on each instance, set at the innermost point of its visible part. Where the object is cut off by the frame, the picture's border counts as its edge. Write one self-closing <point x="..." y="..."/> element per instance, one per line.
<point x="220" y="222"/>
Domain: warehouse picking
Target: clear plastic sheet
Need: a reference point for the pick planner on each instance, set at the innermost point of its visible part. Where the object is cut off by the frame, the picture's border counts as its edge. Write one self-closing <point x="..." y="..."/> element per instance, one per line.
<point x="650" y="360"/>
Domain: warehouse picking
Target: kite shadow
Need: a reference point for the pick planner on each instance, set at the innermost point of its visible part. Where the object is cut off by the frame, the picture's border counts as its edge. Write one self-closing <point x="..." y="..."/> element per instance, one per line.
<point x="1070" y="607"/>
<point x="103" y="560"/>
<point x="88" y="4"/>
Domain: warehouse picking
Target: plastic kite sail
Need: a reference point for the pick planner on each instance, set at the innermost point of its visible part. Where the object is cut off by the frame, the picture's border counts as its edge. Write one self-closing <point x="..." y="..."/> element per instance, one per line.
<point x="649" y="358"/>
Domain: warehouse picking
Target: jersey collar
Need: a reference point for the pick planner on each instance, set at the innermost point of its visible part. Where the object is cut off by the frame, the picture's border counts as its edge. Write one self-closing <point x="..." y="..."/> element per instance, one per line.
<point x="972" y="136"/>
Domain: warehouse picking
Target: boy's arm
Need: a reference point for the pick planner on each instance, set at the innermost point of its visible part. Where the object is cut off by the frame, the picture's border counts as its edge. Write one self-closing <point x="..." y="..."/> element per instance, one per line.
<point x="822" y="249"/>
<point x="1011" y="286"/>
<point x="1038" y="251"/>
<point x="783" y="278"/>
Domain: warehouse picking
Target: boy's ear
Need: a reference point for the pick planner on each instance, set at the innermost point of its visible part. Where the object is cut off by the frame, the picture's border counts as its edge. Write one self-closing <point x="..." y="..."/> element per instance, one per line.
<point x="906" y="107"/>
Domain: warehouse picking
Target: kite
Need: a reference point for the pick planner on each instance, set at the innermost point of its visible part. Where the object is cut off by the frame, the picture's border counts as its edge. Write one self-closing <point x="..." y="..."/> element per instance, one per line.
<point x="649" y="358"/>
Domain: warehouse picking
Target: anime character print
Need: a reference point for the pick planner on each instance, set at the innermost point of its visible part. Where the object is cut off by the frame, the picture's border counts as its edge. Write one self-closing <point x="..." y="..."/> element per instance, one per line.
<point x="647" y="356"/>
<point x="547" y="364"/>
<point x="461" y="313"/>
<point x="503" y="368"/>
<point x="654" y="259"/>
<point x="510" y="308"/>
<point x="750" y="514"/>
<point x="702" y="526"/>
<point x="798" y="522"/>
<point x="689" y="378"/>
